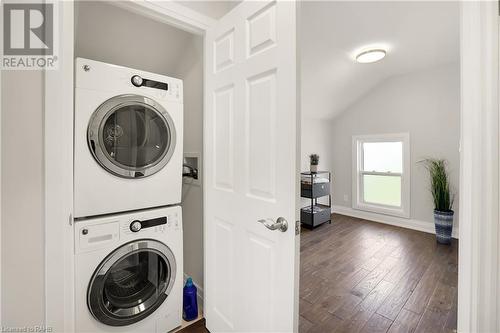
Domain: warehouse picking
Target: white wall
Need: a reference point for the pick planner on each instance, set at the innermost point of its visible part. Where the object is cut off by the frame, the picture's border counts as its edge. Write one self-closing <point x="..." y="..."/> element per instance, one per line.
<point x="104" y="32"/>
<point x="22" y="199"/>
<point x="316" y="139"/>
<point x="427" y="105"/>
<point x="111" y="34"/>
<point x="191" y="71"/>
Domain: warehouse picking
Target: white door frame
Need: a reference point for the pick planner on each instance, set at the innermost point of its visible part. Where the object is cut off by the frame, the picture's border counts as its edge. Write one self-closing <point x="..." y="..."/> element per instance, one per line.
<point x="478" y="306"/>
<point x="58" y="179"/>
<point x="1" y="323"/>
<point x="478" y="277"/>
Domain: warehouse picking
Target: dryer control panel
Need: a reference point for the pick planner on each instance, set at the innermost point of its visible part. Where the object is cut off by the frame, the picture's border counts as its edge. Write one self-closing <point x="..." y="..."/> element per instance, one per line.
<point x="96" y="75"/>
<point x="163" y="88"/>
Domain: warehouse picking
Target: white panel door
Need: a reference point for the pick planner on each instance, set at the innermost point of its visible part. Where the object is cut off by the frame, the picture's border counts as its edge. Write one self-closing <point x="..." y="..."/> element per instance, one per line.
<point x="250" y="168"/>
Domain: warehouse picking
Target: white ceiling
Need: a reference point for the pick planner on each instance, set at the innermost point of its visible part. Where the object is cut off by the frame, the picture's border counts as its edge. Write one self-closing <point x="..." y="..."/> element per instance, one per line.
<point x="212" y="8"/>
<point x="418" y="35"/>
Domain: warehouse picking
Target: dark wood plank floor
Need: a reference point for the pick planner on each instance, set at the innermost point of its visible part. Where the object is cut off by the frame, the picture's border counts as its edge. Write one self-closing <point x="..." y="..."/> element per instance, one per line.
<point x="197" y="327"/>
<point x="361" y="276"/>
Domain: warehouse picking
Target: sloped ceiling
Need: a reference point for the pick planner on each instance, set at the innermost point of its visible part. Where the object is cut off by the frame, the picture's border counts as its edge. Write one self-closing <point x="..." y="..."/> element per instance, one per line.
<point x="417" y="35"/>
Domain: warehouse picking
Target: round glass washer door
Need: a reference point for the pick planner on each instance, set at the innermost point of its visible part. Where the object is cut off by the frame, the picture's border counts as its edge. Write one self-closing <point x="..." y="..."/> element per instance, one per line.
<point x="131" y="283"/>
<point x="131" y="136"/>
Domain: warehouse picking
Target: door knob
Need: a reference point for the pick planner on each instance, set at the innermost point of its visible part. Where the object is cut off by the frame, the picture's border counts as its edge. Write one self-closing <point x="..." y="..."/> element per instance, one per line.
<point x="280" y="224"/>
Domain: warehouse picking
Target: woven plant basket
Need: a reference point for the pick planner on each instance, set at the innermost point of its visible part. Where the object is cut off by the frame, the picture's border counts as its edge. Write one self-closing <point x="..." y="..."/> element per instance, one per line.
<point x="443" y="221"/>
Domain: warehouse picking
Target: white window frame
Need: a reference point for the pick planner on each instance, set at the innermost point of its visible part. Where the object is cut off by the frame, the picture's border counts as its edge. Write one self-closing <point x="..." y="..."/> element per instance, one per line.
<point x="357" y="175"/>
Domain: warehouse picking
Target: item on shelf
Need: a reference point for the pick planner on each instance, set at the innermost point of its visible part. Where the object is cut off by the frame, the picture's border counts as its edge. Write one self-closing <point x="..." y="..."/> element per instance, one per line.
<point x="313" y="209"/>
<point x="315" y="185"/>
<point x="314" y="159"/>
<point x="315" y="180"/>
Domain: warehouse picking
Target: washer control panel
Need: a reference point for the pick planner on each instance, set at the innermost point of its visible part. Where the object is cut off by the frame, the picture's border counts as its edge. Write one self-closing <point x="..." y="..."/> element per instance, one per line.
<point x="111" y="231"/>
<point x="156" y="224"/>
<point x="137" y="225"/>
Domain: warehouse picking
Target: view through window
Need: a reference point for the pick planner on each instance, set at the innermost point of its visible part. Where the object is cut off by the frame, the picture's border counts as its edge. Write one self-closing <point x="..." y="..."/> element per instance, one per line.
<point x="382" y="171"/>
<point x="381" y="176"/>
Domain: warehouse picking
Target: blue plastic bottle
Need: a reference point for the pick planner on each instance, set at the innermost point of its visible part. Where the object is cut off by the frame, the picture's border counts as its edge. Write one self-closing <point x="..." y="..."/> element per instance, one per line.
<point x="190" y="305"/>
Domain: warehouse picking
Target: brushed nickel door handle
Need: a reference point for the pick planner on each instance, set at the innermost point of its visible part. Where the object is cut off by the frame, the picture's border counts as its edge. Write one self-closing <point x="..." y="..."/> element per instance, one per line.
<point x="280" y="224"/>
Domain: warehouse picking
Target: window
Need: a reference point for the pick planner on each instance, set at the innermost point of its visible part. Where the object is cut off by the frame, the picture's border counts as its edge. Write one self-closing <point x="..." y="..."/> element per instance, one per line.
<point x="381" y="174"/>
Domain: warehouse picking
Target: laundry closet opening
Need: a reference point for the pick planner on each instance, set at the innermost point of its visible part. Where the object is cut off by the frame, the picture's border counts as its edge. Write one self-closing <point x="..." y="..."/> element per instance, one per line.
<point x="111" y="34"/>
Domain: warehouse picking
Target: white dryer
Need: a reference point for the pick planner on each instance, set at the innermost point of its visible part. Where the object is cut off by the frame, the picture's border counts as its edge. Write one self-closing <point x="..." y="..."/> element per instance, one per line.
<point x="128" y="272"/>
<point x="128" y="139"/>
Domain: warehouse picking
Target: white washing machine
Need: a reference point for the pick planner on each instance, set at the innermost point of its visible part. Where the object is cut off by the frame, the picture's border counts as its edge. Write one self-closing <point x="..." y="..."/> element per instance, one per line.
<point x="129" y="272"/>
<point x="128" y="139"/>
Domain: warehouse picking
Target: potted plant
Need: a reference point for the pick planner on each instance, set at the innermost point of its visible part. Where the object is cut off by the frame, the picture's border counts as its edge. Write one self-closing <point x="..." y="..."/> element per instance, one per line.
<point x="314" y="158"/>
<point x="443" y="199"/>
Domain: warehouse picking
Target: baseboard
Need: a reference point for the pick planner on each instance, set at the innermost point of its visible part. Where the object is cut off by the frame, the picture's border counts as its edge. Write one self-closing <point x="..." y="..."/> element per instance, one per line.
<point x="199" y="293"/>
<point x="391" y="220"/>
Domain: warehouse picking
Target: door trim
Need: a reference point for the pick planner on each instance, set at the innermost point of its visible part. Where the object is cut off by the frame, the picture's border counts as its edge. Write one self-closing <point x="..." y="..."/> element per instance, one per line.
<point x="478" y="265"/>
<point x="58" y="180"/>
<point x="170" y="13"/>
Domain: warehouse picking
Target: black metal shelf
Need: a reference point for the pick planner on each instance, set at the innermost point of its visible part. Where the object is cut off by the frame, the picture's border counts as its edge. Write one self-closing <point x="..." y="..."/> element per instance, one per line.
<point x="315" y="214"/>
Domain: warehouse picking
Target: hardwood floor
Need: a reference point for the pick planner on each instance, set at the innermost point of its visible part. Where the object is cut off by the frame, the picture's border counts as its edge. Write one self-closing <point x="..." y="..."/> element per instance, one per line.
<point x="198" y="327"/>
<point x="361" y="276"/>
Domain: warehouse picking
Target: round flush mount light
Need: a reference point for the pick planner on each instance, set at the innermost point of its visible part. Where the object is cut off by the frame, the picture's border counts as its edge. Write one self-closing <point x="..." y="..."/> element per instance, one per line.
<point x="370" y="56"/>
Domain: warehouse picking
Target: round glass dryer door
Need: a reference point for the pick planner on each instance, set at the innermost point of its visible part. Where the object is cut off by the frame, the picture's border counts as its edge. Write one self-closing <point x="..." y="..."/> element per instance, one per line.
<point x="131" y="136"/>
<point x="131" y="283"/>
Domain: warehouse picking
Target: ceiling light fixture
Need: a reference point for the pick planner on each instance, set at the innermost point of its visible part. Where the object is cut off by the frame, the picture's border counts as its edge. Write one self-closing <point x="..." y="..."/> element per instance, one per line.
<point x="369" y="56"/>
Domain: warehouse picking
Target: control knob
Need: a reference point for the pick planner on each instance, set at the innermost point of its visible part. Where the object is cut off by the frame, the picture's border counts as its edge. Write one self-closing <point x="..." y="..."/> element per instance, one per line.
<point x="137" y="80"/>
<point x="135" y="226"/>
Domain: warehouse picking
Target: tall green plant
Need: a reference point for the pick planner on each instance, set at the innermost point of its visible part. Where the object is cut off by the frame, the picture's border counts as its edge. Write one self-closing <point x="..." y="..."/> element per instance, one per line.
<point x="440" y="185"/>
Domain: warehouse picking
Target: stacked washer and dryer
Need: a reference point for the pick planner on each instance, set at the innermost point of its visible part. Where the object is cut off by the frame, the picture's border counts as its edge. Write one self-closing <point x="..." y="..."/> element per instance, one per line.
<point x="128" y="182"/>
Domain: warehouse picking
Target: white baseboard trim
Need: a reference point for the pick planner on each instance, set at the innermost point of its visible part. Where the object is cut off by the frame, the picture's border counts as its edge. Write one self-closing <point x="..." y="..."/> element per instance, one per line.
<point x="391" y="220"/>
<point x="199" y="293"/>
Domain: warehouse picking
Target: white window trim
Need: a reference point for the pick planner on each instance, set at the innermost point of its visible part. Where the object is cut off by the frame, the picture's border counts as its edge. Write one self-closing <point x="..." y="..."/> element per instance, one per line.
<point x="357" y="156"/>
